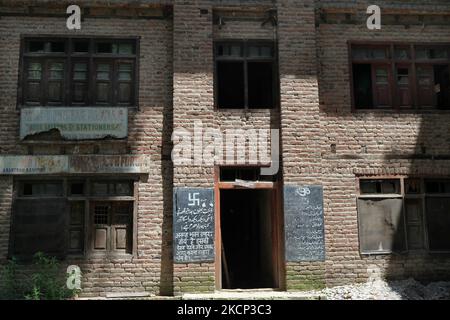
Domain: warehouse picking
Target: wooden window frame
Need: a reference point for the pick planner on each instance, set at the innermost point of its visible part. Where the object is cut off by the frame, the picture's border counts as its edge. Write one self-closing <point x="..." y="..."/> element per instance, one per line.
<point x="391" y="60"/>
<point x="87" y="198"/>
<point x="70" y="58"/>
<point x="422" y="195"/>
<point x="245" y="44"/>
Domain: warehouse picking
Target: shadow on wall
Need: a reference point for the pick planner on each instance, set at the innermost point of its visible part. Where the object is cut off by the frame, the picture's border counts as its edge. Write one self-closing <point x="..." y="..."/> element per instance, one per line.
<point x="408" y="210"/>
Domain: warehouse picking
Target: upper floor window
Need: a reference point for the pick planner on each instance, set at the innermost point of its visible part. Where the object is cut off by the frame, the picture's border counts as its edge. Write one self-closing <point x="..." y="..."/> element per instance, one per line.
<point x="245" y="75"/>
<point x="401" y="76"/>
<point x="78" y="72"/>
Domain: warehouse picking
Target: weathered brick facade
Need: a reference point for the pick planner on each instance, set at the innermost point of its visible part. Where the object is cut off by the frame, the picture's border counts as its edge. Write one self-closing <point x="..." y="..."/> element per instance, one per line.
<point x="176" y="88"/>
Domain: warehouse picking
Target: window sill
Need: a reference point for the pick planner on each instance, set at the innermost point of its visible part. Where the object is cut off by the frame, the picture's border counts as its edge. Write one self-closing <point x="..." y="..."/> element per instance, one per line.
<point x="243" y="110"/>
<point x="401" y="111"/>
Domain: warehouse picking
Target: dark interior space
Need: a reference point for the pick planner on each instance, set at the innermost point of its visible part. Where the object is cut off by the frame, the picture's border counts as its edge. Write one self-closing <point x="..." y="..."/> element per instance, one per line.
<point x="247" y="243"/>
<point x="230" y="82"/>
<point x="362" y="85"/>
<point x="442" y="85"/>
<point x="260" y="85"/>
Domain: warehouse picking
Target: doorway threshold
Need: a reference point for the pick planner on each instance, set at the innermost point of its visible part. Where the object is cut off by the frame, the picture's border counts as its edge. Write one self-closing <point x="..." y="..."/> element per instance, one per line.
<point x="252" y="294"/>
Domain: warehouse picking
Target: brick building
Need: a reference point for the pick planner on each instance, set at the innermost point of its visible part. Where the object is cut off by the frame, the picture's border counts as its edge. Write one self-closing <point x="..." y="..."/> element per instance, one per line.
<point x="362" y="115"/>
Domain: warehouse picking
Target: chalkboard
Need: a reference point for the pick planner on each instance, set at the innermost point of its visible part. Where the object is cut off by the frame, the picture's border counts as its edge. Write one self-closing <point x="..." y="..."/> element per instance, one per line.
<point x="304" y="228"/>
<point x="193" y="225"/>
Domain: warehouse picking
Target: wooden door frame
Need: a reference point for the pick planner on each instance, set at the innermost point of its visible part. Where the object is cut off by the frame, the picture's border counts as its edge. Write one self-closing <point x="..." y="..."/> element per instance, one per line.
<point x="277" y="230"/>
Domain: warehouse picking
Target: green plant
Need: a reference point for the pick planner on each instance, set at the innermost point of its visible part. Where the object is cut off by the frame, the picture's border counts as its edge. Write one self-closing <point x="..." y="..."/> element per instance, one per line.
<point x="45" y="281"/>
<point x="9" y="287"/>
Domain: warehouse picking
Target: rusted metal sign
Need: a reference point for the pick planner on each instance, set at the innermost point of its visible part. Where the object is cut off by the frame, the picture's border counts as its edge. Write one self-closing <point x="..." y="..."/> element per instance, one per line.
<point x="75" y="123"/>
<point x="13" y="165"/>
<point x="31" y="165"/>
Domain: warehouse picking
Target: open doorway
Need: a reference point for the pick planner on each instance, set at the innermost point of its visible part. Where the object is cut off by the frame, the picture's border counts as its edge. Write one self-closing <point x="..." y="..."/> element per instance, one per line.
<point x="248" y="225"/>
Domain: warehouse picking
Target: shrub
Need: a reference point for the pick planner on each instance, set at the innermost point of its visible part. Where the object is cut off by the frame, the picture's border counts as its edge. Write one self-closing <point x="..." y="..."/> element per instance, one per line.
<point x="45" y="282"/>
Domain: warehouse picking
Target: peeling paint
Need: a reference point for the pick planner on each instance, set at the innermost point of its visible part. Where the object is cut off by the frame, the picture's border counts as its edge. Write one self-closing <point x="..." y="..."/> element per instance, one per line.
<point x="30" y="165"/>
<point x="75" y="123"/>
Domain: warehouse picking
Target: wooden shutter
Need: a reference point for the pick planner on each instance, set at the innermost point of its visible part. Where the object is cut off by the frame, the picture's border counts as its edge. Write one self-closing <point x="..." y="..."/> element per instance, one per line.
<point x="40" y="225"/>
<point x="381" y="85"/>
<point x="104" y="82"/>
<point x="403" y="81"/>
<point x="122" y="227"/>
<point x="101" y="216"/>
<point x="54" y="82"/>
<point x="425" y="86"/>
<point x="34" y="73"/>
<point x="124" y="82"/>
<point x="80" y="82"/>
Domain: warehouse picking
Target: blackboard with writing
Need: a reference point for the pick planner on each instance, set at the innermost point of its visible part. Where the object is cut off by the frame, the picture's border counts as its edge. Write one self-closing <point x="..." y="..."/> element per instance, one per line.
<point x="193" y="225"/>
<point x="304" y="223"/>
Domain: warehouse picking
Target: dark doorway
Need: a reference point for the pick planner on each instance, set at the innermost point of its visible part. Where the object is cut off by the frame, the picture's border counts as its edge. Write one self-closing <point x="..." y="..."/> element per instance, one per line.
<point x="442" y="86"/>
<point x="247" y="222"/>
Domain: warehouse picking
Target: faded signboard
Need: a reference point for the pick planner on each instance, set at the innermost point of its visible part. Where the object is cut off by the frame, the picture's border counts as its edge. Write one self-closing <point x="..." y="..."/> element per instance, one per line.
<point x="75" y="123"/>
<point x="13" y="165"/>
<point x="109" y="164"/>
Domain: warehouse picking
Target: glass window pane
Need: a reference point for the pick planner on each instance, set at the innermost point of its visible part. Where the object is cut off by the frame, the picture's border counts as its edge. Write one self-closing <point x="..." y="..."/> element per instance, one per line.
<point x="125" y="72"/>
<point x="57" y="46"/>
<point x="253" y="51"/>
<point x="402" y="53"/>
<point x="56" y="71"/>
<point x="126" y="48"/>
<point x="124" y="189"/>
<point x="81" y="46"/>
<point x="100" y="188"/>
<point x="80" y="71"/>
<point x="34" y="71"/>
<point x="104" y="47"/>
<point x="103" y="71"/>
<point x="36" y="46"/>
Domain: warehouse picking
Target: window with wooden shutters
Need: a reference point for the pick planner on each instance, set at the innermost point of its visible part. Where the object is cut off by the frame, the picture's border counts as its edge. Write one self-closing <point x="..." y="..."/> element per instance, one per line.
<point x="245" y="74"/>
<point x="402" y="76"/>
<point x="425" y="205"/>
<point x="78" y="72"/>
<point x="73" y="216"/>
<point x="112" y="226"/>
